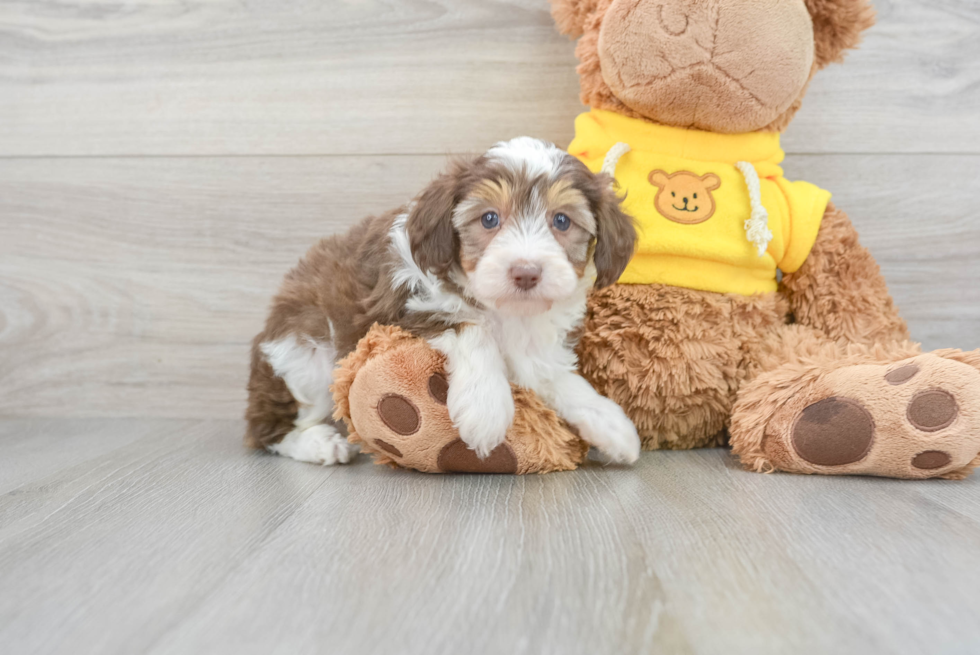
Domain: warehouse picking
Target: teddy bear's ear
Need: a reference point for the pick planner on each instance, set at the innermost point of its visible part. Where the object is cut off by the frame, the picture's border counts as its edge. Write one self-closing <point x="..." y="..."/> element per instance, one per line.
<point x="658" y="179"/>
<point x="571" y="15"/>
<point x="711" y="181"/>
<point x="837" y="26"/>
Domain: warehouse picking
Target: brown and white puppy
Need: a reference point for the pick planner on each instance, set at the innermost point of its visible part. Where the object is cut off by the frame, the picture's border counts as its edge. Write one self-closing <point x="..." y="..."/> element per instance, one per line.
<point x="492" y="264"/>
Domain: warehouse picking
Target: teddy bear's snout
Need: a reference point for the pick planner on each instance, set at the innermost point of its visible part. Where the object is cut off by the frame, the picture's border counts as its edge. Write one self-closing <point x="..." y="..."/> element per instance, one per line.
<point x="685" y="206"/>
<point x="692" y="63"/>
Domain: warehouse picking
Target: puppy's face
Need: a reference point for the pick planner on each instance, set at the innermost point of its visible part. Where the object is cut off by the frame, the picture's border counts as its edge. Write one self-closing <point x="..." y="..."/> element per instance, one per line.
<point x="522" y="223"/>
<point x="524" y="234"/>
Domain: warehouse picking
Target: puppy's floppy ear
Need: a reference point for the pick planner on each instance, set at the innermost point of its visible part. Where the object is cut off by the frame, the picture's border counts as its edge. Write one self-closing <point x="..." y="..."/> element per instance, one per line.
<point x="837" y="26"/>
<point x="431" y="235"/>
<point x="615" y="233"/>
<point x="571" y="15"/>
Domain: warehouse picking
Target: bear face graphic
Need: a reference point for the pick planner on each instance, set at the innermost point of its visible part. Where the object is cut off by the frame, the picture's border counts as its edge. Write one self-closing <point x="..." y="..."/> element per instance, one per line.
<point x="685" y="197"/>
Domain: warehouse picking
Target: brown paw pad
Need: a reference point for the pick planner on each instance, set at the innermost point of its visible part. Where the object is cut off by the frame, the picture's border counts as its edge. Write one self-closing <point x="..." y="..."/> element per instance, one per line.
<point x="439" y="388"/>
<point x="901" y="375"/>
<point x="834" y="432"/>
<point x="932" y="410"/>
<point x="400" y="414"/>
<point x="931" y="459"/>
<point x="456" y="457"/>
<point x="388" y="448"/>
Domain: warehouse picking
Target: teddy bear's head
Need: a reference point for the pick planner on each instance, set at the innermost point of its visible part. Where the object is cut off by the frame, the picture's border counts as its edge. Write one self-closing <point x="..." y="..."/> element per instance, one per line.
<point x="726" y="66"/>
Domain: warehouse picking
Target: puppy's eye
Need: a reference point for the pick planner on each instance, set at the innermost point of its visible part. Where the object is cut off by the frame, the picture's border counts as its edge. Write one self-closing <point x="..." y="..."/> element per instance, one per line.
<point x="695" y="196"/>
<point x="673" y="195"/>
<point x="561" y="222"/>
<point x="490" y="220"/>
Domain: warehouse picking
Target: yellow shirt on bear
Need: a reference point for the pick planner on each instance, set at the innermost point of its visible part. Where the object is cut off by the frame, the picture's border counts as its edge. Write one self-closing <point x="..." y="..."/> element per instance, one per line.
<point x="689" y="192"/>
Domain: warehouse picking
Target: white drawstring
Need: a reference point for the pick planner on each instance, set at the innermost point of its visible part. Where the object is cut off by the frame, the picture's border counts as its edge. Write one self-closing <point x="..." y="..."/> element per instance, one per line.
<point x="613" y="157"/>
<point x="757" y="227"/>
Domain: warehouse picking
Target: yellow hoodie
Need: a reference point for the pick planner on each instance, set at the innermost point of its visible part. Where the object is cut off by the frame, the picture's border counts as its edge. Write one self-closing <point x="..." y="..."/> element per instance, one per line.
<point x="703" y="203"/>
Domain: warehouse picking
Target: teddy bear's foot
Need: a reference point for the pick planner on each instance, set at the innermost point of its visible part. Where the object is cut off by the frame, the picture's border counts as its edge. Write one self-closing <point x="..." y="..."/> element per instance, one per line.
<point x="917" y="418"/>
<point x="392" y="393"/>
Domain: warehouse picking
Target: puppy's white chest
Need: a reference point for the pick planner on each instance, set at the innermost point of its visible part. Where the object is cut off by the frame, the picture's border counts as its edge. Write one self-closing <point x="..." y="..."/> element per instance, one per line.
<point x="533" y="350"/>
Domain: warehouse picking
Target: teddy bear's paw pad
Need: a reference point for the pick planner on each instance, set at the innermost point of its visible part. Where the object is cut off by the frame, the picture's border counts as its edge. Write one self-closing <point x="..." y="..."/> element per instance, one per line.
<point x="439" y="388"/>
<point x="919" y="418"/>
<point x="388" y="448"/>
<point x="834" y="432"/>
<point x="902" y="374"/>
<point x="932" y="410"/>
<point x="931" y="460"/>
<point x="400" y="414"/>
<point x="456" y="457"/>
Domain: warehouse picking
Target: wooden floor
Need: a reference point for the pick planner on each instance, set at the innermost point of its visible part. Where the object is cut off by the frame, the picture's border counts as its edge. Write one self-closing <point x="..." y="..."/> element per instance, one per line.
<point x="166" y="536"/>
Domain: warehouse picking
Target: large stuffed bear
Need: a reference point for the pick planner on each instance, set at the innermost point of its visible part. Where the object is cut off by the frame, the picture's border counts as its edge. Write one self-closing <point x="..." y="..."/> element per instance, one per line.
<point x="750" y="314"/>
<point x="702" y="342"/>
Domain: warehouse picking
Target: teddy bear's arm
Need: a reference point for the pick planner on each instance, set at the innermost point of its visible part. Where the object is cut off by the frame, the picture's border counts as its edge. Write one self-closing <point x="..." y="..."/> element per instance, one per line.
<point x="840" y="290"/>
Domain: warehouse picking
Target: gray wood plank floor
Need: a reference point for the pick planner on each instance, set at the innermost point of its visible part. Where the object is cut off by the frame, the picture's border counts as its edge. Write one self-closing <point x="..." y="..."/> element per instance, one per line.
<point x="166" y="536"/>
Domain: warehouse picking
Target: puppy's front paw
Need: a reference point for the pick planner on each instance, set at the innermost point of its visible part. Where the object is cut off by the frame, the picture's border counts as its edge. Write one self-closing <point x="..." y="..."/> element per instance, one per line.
<point x="482" y="412"/>
<point x="604" y="425"/>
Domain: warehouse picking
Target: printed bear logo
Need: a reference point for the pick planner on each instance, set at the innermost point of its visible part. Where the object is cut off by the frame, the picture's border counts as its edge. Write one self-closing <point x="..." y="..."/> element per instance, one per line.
<point x="685" y="197"/>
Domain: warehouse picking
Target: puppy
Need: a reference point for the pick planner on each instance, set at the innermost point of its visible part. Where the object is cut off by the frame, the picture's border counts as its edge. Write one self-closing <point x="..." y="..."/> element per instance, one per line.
<point x="491" y="264"/>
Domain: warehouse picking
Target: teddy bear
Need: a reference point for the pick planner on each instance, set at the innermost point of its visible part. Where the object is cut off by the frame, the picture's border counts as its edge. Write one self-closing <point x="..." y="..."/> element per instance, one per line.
<point x="750" y="314"/>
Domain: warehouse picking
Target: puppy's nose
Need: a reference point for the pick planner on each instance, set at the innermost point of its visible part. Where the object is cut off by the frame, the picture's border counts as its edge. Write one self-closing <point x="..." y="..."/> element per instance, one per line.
<point x="526" y="276"/>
